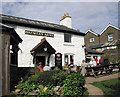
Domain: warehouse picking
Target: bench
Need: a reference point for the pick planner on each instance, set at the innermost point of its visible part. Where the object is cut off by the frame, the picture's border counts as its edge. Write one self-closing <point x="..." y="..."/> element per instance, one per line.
<point x="96" y="70"/>
<point x="103" y="69"/>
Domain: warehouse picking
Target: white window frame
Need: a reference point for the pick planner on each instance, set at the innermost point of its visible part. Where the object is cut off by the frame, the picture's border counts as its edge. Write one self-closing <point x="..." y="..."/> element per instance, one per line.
<point x="110" y="37"/>
<point x="92" y="40"/>
<point x="68" y="58"/>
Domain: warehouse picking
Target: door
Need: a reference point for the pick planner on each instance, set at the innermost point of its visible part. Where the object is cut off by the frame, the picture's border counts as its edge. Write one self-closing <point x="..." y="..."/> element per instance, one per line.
<point x="40" y="59"/>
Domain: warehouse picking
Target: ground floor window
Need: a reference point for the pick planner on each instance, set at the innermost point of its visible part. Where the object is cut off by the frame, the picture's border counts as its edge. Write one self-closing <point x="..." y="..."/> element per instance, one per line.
<point x="68" y="58"/>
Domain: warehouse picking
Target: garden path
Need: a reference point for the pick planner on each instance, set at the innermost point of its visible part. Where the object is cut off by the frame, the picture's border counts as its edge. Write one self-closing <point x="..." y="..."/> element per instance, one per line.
<point x="107" y="77"/>
<point x="94" y="90"/>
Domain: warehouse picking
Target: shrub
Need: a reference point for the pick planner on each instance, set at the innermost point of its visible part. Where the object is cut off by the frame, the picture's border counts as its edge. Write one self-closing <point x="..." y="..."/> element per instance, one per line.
<point x="58" y="79"/>
<point x="20" y="86"/>
<point x="73" y="85"/>
<point x="43" y="78"/>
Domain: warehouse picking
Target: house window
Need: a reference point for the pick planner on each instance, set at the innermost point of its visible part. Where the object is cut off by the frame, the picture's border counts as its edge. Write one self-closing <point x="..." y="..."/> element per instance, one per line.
<point x="69" y="58"/>
<point x="110" y="37"/>
<point x="67" y="37"/>
<point x="66" y="59"/>
<point x="91" y="39"/>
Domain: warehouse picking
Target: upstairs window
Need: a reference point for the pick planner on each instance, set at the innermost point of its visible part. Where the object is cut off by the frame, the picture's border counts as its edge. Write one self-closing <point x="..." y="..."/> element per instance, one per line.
<point x="91" y="39"/>
<point x="110" y="37"/>
<point x="67" y="38"/>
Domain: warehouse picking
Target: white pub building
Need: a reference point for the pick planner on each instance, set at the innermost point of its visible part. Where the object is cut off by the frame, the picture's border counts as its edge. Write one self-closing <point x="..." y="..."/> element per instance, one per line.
<point x="42" y="40"/>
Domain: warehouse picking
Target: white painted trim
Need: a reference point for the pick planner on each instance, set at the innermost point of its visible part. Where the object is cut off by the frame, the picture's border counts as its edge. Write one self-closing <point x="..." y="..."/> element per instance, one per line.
<point x="91" y="39"/>
<point x="6" y="25"/>
<point x="107" y="27"/>
<point x="91" y="32"/>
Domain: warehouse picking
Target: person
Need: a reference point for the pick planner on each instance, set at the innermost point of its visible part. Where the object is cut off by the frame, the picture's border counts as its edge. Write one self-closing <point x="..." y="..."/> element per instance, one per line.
<point x="101" y="61"/>
<point x="72" y="67"/>
<point x="83" y="69"/>
<point x="40" y="67"/>
<point x="71" y="64"/>
<point x="75" y="68"/>
<point x="96" y="60"/>
<point x="91" y="63"/>
<point x="69" y="69"/>
<point x="46" y="68"/>
<point x="65" y="67"/>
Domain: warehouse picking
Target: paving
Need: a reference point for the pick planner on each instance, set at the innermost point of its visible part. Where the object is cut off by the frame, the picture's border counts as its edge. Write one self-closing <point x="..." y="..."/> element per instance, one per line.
<point x="107" y="77"/>
<point x="94" y="90"/>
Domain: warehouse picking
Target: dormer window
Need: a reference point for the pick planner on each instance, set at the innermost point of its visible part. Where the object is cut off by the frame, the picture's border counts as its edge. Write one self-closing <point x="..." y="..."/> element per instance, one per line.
<point x="110" y="37"/>
<point x="67" y="38"/>
<point x="91" y="39"/>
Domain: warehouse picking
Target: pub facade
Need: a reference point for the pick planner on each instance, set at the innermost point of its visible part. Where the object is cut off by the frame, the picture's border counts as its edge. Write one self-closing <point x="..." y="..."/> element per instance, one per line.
<point x="43" y="40"/>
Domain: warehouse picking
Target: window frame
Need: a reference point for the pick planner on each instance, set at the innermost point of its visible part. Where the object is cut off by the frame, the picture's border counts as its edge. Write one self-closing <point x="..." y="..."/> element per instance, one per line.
<point x="91" y="39"/>
<point x="69" y="40"/>
<point x="110" y="37"/>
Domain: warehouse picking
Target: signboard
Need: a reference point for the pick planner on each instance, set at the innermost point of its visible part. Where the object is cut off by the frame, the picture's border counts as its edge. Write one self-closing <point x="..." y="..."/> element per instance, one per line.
<point x="38" y="33"/>
<point x="58" y="60"/>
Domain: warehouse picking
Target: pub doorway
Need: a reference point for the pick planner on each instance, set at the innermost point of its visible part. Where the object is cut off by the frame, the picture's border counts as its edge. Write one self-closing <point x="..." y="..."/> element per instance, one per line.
<point x="40" y="59"/>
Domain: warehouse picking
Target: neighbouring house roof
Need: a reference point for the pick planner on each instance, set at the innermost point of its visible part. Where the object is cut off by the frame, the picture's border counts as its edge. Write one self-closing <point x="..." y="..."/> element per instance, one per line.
<point x="90" y="51"/>
<point x="42" y="44"/>
<point x="11" y="31"/>
<point x="106" y="44"/>
<point x="38" y="24"/>
<point x="91" y="32"/>
<point x="109" y="25"/>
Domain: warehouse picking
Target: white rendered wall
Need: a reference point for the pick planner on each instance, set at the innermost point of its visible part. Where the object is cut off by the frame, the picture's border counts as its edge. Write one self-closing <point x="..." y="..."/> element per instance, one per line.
<point x="30" y="41"/>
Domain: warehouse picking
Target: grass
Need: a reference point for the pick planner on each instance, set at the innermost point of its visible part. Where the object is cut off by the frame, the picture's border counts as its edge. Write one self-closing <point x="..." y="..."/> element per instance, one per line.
<point x="109" y="87"/>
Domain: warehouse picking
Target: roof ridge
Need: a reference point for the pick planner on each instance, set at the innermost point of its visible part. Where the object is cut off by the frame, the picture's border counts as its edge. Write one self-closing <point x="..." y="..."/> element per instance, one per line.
<point x="91" y="32"/>
<point x="39" y="23"/>
<point x="107" y="27"/>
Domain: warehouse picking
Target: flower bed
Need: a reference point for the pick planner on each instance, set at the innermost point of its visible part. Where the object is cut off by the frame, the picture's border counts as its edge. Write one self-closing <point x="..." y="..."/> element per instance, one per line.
<point x="54" y="82"/>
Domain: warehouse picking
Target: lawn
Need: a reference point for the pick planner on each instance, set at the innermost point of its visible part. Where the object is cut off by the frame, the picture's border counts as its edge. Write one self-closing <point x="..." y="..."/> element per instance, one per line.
<point x="109" y="87"/>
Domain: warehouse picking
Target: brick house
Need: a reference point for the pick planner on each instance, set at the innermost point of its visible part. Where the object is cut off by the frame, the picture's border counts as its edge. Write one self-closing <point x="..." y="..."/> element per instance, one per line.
<point x="105" y="42"/>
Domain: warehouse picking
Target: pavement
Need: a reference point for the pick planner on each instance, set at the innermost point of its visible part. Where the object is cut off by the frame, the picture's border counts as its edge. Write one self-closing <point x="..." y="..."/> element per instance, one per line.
<point x="94" y="90"/>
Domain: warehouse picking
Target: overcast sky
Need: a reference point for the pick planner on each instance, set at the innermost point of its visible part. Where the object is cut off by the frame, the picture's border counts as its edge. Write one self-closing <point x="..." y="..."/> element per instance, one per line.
<point x="85" y="15"/>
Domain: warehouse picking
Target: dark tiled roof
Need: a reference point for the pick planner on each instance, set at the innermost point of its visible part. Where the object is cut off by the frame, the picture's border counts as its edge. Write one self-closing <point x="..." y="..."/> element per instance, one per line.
<point x="90" y="51"/>
<point x="106" y="44"/>
<point x="96" y="46"/>
<point x="38" y="24"/>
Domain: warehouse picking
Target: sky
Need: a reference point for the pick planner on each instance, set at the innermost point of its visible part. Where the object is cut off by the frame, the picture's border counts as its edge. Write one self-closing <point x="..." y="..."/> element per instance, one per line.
<point x="85" y="15"/>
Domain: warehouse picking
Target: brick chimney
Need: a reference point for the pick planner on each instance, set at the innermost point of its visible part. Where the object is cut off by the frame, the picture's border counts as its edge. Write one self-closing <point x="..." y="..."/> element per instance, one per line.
<point x="66" y="20"/>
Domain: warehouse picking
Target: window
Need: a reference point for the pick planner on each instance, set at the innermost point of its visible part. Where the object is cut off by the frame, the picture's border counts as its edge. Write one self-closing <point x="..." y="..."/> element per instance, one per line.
<point x="71" y="59"/>
<point x="110" y="37"/>
<point x="91" y="39"/>
<point x="66" y="59"/>
<point x="67" y="37"/>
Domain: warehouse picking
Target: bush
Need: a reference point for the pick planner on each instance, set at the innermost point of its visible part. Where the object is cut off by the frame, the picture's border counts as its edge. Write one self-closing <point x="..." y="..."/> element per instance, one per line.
<point x="58" y="79"/>
<point x="20" y="86"/>
<point x="74" y="83"/>
<point x="45" y="77"/>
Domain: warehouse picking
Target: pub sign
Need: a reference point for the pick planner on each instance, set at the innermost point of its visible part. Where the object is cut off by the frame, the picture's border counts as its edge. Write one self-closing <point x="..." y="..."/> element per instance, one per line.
<point x="58" y="60"/>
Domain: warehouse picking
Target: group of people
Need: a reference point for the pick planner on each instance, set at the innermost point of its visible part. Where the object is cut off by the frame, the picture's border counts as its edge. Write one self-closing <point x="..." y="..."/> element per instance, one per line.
<point x="41" y="68"/>
<point x="95" y="62"/>
<point x="92" y="63"/>
<point x="73" y="68"/>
